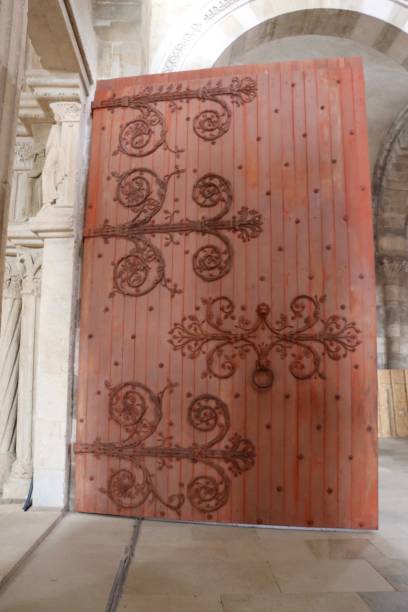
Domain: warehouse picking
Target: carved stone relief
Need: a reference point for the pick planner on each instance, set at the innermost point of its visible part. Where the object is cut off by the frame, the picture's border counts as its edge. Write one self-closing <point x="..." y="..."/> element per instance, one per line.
<point x="17" y="485"/>
<point x="9" y="364"/>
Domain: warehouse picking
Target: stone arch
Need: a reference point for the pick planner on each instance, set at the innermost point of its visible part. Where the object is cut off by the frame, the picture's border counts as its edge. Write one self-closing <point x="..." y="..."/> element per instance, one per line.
<point x="224" y="27"/>
<point x="390" y="201"/>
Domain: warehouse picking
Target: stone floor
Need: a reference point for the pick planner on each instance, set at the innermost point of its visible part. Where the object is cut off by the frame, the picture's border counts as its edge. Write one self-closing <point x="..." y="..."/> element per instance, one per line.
<point x="210" y="568"/>
<point x="19" y="531"/>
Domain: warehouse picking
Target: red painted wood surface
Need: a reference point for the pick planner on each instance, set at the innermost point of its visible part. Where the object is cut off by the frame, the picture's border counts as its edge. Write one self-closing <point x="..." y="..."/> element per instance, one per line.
<point x="303" y="451"/>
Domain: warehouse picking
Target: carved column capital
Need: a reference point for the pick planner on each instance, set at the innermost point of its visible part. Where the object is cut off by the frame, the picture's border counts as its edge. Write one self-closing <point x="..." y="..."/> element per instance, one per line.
<point x="394" y="267"/>
<point x="30" y="261"/>
<point x="66" y="111"/>
<point x="24" y="149"/>
<point x="13" y="277"/>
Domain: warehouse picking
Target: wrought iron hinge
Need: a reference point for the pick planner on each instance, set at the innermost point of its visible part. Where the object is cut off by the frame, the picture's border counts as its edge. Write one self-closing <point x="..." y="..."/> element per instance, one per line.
<point x="110" y="103"/>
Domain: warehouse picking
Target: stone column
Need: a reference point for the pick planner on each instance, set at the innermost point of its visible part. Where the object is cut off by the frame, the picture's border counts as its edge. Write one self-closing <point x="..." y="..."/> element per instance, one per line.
<point x="19" y="208"/>
<point x="395" y="273"/>
<point x="55" y="225"/>
<point x="17" y="485"/>
<point x="13" y="34"/>
<point x="60" y="172"/>
<point x="9" y="354"/>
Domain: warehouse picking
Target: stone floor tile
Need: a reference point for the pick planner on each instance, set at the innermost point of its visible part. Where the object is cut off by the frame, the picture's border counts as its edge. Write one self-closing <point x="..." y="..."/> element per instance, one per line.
<point x="393" y="547"/>
<point x="268" y="549"/>
<point x="289" y="602"/>
<point x="9" y="508"/>
<point x="392" y="521"/>
<point x="328" y="576"/>
<point x="386" y="602"/>
<point x="313" y="534"/>
<point x="158" y="533"/>
<point x="183" y="552"/>
<point x="350" y="548"/>
<point x="73" y="569"/>
<point x="19" y="531"/>
<point x="199" y="578"/>
<point x="139" y="603"/>
<point x="395" y="571"/>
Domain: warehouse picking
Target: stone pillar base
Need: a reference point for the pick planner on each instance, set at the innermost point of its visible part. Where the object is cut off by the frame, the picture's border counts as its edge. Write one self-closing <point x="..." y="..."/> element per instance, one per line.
<point x="16" y="488"/>
<point x="6" y="461"/>
<point x="18" y="483"/>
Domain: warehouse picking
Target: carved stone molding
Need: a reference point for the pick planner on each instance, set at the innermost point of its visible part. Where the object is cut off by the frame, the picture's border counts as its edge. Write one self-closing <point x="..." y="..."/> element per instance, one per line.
<point x="31" y="262"/>
<point x="175" y="49"/>
<point x="20" y="471"/>
<point x="42" y="89"/>
<point x="66" y="111"/>
<point x="23" y="153"/>
<point x="13" y="277"/>
<point x="203" y="20"/>
<point x="9" y="363"/>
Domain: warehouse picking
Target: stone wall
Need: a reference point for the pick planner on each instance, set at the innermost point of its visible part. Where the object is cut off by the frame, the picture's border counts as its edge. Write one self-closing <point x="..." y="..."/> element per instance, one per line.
<point x="119" y="32"/>
<point x="390" y="190"/>
<point x="37" y="338"/>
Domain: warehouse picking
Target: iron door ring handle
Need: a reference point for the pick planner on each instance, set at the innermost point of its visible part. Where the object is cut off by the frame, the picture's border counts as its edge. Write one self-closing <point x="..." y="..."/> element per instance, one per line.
<point x="262" y="378"/>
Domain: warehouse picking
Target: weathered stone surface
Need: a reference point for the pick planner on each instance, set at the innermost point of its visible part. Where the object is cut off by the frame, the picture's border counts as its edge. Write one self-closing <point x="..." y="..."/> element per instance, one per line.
<point x="55" y="226"/>
<point x="13" y="32"/>
<point x="386" y="602"/>
<point x="117" y="11"/>
<point x="18" y="484"/>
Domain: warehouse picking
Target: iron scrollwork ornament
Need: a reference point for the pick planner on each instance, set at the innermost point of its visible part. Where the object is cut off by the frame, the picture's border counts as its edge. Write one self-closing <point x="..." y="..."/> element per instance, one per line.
<point x="148" y="130"/>
<point x="139" y="412"/>
<point x="143" y="192"/>
<point x="305" y="335"/>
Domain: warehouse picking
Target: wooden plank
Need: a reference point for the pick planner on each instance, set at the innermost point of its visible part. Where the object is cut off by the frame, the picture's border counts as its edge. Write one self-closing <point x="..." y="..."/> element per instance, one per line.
<point x="277" y="283"/>
<point x="363" y="280"/>
<point x="301" y="221"/>
<point x="386" y="424"/>
<point x="329" y="249"/>
<point x="392" y="403"/>
<point x="290" y="289"/>
<point x="265" y="294"/>
<point x="399" y="395"/>
<point x="316" y="288"/>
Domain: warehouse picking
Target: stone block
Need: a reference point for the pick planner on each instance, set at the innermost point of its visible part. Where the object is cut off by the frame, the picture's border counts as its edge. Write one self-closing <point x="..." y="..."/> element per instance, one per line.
<point x="114" y="11"/>
<point x="49" y="488"/>
<point x="50" y="444"/>
<point x="119" y="32"/>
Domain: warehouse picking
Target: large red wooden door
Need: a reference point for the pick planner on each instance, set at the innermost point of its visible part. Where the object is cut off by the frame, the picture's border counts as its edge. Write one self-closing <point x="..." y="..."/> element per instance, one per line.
<point x="227" y="352"/>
